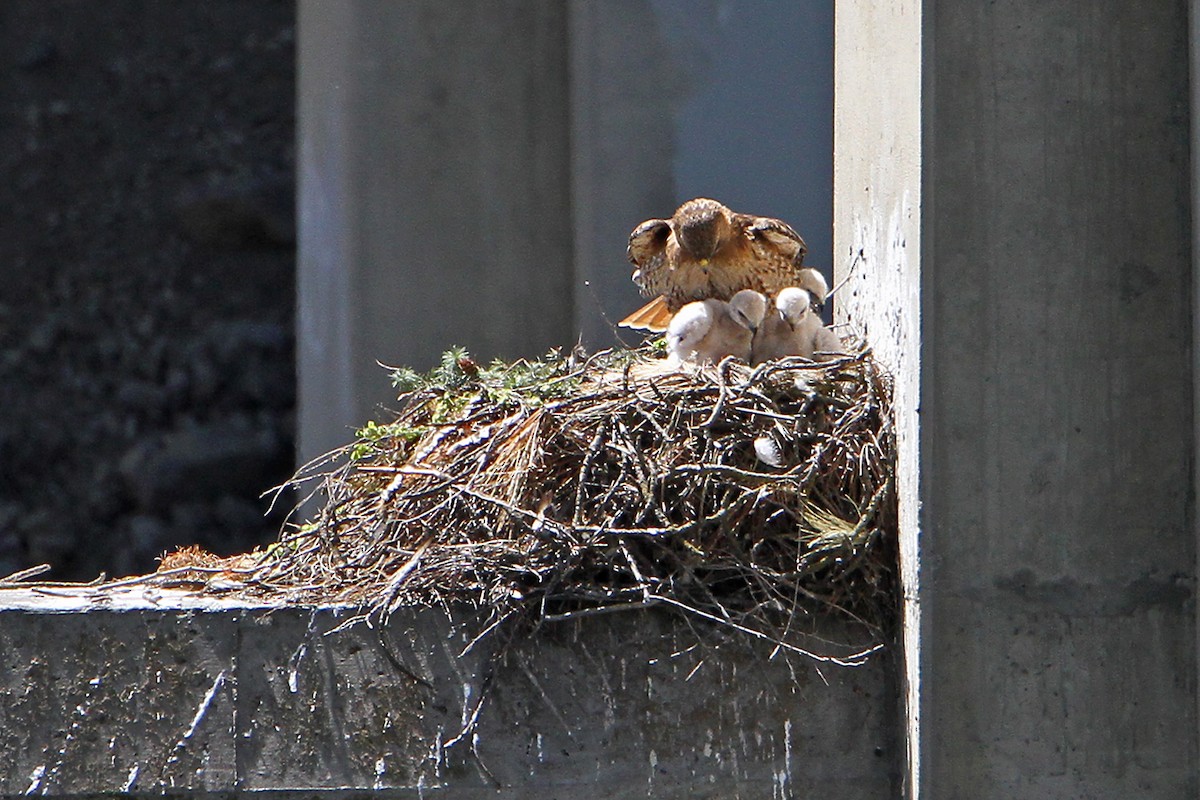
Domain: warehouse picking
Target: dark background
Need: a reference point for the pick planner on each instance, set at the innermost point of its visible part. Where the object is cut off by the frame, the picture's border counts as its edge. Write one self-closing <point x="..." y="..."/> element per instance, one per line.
<point x="146" y="278"/>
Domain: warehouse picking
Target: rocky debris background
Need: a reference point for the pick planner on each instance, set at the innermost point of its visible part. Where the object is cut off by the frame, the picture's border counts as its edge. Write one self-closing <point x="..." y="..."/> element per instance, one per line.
<point x="146" y="278"/>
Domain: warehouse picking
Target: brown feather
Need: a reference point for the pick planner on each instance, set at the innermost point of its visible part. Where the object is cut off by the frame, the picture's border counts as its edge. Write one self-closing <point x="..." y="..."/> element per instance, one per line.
<point x="654" y="317"/>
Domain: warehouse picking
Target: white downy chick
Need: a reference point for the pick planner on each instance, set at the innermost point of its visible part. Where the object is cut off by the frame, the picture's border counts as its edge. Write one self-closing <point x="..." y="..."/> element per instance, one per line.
<point x="813" y="282"/>
<point x="706" y="331"/>
<point x="827" y="344"/>
<point x="793" y="328"/>
<point x="789" y="328"/>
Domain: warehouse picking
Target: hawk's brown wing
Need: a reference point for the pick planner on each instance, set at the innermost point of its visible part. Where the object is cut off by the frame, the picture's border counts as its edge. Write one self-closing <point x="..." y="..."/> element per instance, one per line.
<point x="772" y="239"/>
<point x="776" y="252"/>
<point x="649" y="247"/>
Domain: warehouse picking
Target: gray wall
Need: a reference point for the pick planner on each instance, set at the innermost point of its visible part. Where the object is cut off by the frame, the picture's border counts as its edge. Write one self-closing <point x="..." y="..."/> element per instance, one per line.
<point x="673" y="100"/>
<point x="1030" y="264"/>
<point x="434" y="200"/>
<point x="469" y="173"/>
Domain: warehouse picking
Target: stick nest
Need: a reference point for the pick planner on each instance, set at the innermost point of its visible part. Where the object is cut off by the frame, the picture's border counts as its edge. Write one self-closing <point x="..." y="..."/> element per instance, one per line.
<point x="563" y="486"/>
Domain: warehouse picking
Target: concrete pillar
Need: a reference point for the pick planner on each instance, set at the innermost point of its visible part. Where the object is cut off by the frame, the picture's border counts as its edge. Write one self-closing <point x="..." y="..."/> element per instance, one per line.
<point x="434" y="195"/>
<point x="1015" y="177"/>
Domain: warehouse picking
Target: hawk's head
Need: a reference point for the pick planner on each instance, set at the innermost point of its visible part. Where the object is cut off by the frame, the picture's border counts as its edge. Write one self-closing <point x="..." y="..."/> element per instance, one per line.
<point x="794" y="305"/>
<point x="700" y="226"/>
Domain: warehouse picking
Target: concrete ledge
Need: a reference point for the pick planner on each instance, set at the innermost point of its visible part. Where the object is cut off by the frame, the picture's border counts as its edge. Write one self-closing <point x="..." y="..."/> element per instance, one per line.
<point x="168" y="692"/>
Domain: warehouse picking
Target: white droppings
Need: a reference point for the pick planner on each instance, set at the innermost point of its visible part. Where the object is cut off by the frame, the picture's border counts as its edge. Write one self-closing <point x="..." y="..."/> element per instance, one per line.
<point x="131" y="779"/>
<point x="541" y="754"/>
<point x="294" y="668"/>
<point x="787" y="747"/>
<point x="204" y="704"/>
<point x="35" y="778"/>
<point x="439" y="752"/>
<point x="466" y="711"/>
<point x="610" y="712"/>
<point x="380" y="771"/>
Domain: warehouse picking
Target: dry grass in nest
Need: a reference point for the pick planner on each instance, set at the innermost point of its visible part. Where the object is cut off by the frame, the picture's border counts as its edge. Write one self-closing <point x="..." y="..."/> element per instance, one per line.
<point x="558" y="488"/>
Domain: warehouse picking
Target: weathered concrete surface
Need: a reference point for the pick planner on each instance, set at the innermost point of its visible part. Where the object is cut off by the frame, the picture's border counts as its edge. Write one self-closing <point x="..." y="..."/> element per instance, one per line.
<point x="178" y="695"/>
<point x="877" y="245"/>
<point x="112" y="702"/>
<point x="1052" y="284"/>
<point x="1194" y="152"/>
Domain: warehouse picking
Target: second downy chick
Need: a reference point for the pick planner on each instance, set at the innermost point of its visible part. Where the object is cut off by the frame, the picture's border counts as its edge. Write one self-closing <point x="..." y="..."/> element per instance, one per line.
<point x="793" y="328"/>
<point x="707" y="331"/>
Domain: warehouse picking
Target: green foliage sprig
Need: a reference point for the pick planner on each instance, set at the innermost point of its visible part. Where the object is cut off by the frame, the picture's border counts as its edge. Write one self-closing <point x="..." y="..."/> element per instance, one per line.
<point x="528" y="383"/>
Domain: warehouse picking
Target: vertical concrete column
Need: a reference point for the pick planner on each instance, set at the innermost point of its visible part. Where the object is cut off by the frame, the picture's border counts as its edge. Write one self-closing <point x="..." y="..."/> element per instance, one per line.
<point x="877" y="136"/>
<point x="1015" y="177"/>
<point x="434" y="194"/>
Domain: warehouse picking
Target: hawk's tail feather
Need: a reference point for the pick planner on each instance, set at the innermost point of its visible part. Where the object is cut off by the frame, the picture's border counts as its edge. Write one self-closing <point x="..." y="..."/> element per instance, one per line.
<point x="654" y="316"/>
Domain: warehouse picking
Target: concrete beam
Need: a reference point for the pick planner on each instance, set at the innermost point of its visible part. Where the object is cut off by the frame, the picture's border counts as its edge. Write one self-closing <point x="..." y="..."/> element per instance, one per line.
<point x="153" y="691"/>
<point x="1016" y="178"/>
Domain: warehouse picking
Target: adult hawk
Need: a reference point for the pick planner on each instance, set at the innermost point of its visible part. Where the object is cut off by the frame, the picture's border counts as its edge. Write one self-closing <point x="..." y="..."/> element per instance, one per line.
<point x="707" y="251"/>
